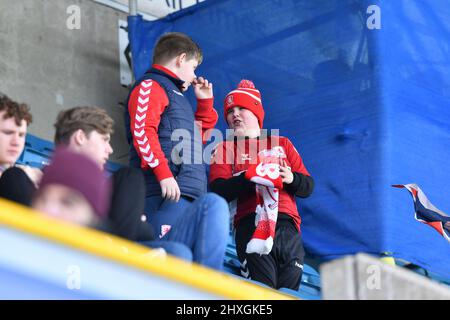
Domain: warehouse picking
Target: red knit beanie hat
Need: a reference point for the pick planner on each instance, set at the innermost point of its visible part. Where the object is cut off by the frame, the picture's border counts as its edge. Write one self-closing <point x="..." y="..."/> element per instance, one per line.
<point x="245" y="96"/>
<point x="80" y="173"/>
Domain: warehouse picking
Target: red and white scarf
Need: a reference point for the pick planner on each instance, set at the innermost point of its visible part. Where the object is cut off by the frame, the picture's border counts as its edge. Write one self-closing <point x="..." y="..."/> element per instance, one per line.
<point x="268" y="182"/>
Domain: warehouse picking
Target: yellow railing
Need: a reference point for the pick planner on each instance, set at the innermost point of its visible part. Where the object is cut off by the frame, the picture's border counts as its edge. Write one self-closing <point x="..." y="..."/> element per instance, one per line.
<point x="131" y="254"/>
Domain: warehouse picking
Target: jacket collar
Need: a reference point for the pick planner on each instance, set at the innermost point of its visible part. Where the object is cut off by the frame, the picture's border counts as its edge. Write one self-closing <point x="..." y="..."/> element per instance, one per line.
<point x="161" y="70"/>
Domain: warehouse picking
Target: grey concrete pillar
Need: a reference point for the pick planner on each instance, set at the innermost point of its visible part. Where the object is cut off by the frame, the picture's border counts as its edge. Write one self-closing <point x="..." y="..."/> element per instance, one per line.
<point x="363" y="277"/>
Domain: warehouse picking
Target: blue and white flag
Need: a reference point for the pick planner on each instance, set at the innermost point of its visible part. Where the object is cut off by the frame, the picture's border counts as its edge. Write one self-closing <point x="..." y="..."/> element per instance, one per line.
<point x="426" y="212"/>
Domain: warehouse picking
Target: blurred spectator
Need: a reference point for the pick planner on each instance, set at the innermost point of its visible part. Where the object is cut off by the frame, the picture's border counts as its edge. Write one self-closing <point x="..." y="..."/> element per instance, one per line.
<point x="80" y="195"/>
<point x="87" y="130"/>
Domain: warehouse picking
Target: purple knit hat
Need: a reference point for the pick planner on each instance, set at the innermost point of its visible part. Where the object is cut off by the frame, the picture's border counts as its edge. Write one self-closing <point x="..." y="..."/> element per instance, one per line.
<point x="78" y="172"/>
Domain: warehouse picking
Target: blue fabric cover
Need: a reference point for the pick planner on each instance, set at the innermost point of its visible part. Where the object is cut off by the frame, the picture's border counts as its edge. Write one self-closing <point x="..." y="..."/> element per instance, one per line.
<point x="366" y="108"/>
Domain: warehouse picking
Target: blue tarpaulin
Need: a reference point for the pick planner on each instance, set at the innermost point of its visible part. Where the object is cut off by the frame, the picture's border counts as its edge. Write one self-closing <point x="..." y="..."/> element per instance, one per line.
<point x="362" y="91"/>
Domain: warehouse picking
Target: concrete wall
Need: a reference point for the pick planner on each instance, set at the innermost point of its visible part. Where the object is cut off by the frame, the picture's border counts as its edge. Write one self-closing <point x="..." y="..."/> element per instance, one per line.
<point x="52" y="68"/>
<point x="363" y="277"/>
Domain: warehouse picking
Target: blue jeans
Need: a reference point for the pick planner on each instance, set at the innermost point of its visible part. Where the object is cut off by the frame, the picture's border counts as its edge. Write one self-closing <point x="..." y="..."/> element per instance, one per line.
<point x="178" y="250"/>
<point x="202" y="225"/>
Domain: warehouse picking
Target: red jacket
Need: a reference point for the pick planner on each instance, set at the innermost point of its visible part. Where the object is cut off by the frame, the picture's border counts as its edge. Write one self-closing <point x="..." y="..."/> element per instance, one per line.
<point x="150" y="104"/>
<point x="233" y="157"/>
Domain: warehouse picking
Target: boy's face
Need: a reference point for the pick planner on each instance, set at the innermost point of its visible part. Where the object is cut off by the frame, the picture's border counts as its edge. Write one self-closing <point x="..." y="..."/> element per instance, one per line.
<point x="12" y="139"/>
<point x="243" y="121"/>
<point x="186" y="70"/>
<point x="61" y="202"/>
<point x="96" y="146"/>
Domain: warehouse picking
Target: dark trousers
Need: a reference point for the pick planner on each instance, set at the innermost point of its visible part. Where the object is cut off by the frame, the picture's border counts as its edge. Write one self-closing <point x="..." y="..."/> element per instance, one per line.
<point x="127" y="206"/>
<point x="283" y="266"/>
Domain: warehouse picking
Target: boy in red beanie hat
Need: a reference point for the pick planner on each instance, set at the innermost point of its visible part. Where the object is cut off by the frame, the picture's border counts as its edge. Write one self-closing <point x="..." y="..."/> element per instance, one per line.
<point x="261" y="175"/>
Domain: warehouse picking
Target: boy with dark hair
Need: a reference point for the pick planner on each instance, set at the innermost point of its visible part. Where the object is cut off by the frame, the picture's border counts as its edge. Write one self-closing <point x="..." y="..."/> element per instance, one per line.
<point x="262" y="175"/>
<point x="86" y="129"/>
<point x="12" y="109"/>
<point x="87" y="119"/>
<point x="177" y="204"/>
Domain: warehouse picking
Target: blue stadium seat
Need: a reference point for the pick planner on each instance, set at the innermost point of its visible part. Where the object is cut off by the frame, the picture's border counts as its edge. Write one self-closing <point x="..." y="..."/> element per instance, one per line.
<point x="422" y="271"/>
<point x="34" y="158"/>
<point x="38" y="152"/>
<point x="310" y="276"/>
<point x="301" y="294"/>
<point x="310" y="288"/>
<point x="231" y="261"/>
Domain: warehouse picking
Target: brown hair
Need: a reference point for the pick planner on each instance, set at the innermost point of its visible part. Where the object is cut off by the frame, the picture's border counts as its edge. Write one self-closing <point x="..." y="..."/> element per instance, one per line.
<point x="87" y="119"/>
<point x="18" y="111"/>
<point x="172" y="44"/>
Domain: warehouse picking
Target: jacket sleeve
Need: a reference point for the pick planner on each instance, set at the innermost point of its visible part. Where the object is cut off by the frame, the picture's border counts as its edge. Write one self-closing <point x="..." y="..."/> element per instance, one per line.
<point x="16" y="186"/>
<point x="303" y="184"/>
<point x="146" y="104"/>
<point x="231" y="188"/>
<point x="221" y="179"/>
<point x="207" y="116"/>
